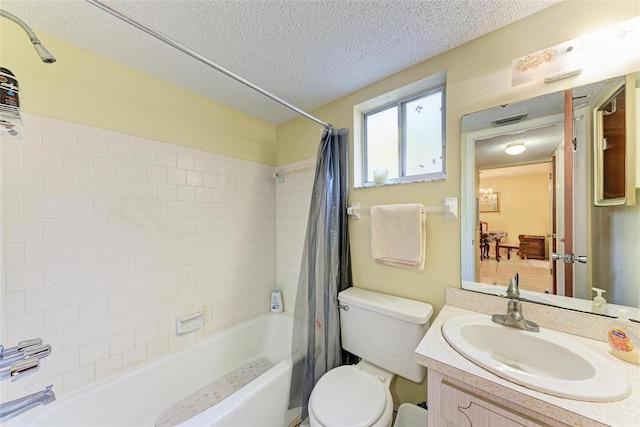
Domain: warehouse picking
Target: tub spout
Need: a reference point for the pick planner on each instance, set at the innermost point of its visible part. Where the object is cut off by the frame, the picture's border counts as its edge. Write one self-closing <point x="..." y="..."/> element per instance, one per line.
<point x="19" y="406"/>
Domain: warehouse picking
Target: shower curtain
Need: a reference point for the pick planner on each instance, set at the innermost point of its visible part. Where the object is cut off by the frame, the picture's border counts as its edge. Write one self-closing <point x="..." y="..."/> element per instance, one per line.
<point x="325" y="271"/>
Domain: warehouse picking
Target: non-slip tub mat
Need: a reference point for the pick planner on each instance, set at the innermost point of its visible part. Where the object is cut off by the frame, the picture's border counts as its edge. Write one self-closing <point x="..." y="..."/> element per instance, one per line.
<point x="213" y="393"/>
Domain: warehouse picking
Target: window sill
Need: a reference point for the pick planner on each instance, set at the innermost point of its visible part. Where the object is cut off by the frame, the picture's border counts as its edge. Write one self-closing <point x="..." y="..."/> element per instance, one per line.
<point x="386" y="184"/>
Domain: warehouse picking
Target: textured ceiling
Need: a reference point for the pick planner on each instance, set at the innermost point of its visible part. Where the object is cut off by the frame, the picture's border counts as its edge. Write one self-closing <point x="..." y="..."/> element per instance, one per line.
<point x="303" y="51"/>
<point x="541" y="142"/>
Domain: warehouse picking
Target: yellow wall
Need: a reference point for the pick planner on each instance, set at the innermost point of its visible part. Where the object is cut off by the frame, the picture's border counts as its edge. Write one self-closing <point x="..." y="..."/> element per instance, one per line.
<point x="85" y="88"/>
<point x="524" y="205"/>
<point x="478" y="77"/>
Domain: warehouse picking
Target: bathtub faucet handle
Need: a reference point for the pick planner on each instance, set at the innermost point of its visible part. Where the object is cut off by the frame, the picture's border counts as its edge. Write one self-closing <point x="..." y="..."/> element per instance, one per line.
<point x="22" y="346"/>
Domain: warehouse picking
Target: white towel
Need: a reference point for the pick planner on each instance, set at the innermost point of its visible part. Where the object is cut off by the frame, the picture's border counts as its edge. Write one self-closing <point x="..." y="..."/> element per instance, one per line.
<point x="398" y="235"/>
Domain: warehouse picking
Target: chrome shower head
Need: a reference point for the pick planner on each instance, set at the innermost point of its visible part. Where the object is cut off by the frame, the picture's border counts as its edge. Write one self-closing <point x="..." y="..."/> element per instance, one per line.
<point x="45" y="55"/>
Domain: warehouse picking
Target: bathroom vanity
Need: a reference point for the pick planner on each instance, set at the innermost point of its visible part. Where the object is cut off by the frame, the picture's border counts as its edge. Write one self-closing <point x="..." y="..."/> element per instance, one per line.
<point x="461" y="393"/>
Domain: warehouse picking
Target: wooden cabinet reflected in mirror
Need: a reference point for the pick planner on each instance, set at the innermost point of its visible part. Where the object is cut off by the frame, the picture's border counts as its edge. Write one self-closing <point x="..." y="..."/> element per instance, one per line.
<point x="613" y="147"/>
<point x="613" y="178"/>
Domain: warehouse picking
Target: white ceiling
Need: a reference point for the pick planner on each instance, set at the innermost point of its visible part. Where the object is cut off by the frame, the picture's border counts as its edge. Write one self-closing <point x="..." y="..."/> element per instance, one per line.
<point x="306" y="52"/>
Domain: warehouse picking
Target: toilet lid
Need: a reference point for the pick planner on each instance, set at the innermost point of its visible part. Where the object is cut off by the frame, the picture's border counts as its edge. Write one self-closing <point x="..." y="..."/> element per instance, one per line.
<point x="347" y="397"/>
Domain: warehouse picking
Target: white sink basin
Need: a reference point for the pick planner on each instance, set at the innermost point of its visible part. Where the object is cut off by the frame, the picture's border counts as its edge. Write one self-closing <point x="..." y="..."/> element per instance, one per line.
<point x="545" y="361"/>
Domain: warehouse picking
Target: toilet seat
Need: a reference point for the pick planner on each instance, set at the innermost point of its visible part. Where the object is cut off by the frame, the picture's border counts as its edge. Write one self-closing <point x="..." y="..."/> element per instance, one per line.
<point x="347" y="397"/>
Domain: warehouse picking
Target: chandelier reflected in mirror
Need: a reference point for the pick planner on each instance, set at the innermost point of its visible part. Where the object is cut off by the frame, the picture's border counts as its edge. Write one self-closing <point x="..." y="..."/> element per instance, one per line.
<point x="485" y="195"/>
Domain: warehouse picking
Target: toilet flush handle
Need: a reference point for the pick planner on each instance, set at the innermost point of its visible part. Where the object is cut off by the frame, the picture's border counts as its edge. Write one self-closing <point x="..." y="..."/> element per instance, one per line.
<point x="343" y="307"/>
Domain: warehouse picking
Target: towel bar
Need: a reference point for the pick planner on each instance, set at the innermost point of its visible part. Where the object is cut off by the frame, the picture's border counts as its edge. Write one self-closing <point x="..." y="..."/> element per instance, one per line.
<point x="449" y="208"/>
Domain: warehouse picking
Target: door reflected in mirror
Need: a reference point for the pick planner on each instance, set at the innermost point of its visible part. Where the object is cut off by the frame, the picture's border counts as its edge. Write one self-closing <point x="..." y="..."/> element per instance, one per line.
<point x="547" y="226"/>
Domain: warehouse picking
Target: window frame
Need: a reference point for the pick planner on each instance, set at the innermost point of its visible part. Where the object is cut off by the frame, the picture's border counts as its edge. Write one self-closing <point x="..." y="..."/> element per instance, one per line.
<point x="400" y="103"/>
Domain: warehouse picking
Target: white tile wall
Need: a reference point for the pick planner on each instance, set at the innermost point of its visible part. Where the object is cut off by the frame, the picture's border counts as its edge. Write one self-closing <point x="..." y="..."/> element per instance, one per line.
<point x="292" y="200"/>
<point x="108" y="237"/>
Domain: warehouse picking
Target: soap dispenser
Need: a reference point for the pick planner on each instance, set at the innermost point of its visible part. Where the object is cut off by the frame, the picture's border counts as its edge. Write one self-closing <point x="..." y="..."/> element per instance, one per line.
<point x="276" y="301"/>
<point x="623" y="340"/>
<point x="599" y="303"/>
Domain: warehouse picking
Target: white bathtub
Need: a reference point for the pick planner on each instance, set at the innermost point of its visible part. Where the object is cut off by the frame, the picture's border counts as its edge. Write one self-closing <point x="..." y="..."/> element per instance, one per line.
<point x="137" y="396"/>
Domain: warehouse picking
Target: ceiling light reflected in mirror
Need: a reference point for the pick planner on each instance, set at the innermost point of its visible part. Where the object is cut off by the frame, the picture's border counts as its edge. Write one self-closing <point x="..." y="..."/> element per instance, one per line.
<point x="515" y="148"/>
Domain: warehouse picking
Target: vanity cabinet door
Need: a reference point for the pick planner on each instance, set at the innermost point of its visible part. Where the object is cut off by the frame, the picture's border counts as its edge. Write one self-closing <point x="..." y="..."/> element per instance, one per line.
<point x="464" y="409"/>
<point x="451" y="404"/>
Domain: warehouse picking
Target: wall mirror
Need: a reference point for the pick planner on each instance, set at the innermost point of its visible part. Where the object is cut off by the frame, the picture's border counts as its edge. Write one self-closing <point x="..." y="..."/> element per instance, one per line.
<point x="552" y="227"/>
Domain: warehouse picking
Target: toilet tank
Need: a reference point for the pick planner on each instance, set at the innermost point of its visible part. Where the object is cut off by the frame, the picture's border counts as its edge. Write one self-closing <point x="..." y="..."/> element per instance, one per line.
<point x="384" y="330"/>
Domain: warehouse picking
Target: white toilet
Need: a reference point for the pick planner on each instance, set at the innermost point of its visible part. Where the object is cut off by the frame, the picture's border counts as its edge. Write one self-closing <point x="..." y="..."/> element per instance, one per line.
<point x="384" y="331"/>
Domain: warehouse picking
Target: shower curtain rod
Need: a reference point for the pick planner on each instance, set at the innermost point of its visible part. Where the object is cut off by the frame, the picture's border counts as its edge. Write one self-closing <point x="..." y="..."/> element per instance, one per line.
<point x="202" y="59"/>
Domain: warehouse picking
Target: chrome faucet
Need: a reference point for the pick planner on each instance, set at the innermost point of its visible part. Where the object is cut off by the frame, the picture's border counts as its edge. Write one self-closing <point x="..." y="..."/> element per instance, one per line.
<point x="513" y="291"/>
<point x="16" y="363"/>
<point x="19" y="406"/>
<point x="20" y="369"/>
<point x="514" y="317"/>
<point x="10" y="355"/>
<point x="29" y="349"/>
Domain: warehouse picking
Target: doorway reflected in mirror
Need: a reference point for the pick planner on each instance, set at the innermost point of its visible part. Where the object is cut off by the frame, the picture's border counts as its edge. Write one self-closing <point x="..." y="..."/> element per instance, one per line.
<point x="532" y="187"/>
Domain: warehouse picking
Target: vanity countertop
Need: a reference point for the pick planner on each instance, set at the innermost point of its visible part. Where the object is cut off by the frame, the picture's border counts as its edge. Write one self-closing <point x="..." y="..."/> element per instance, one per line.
<point x="435" y="353"/>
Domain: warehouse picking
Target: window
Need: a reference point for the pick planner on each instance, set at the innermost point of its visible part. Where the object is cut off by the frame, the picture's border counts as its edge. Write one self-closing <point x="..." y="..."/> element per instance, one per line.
<point x="405" y="136"/>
